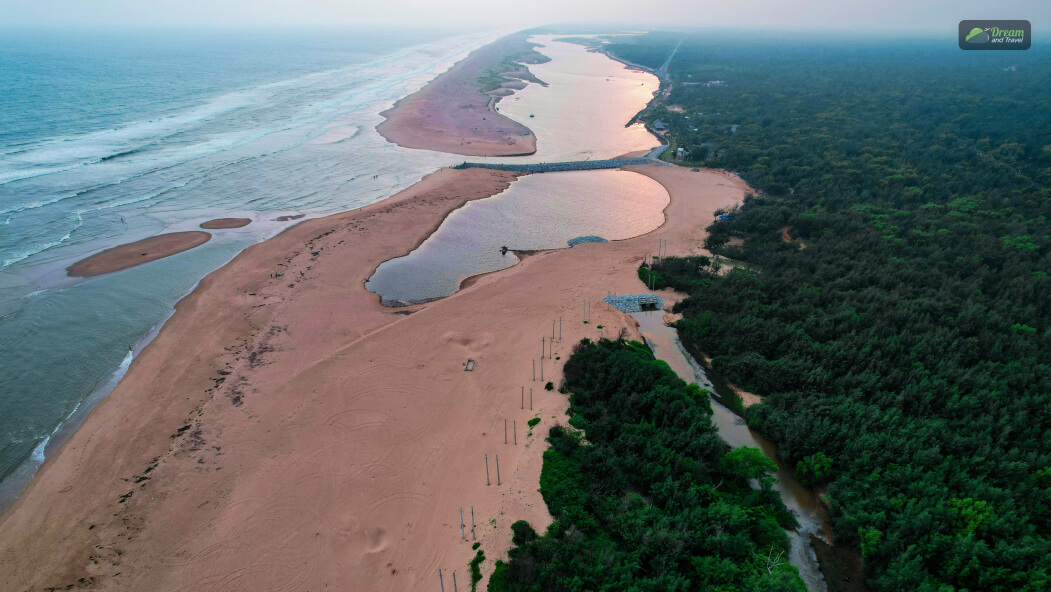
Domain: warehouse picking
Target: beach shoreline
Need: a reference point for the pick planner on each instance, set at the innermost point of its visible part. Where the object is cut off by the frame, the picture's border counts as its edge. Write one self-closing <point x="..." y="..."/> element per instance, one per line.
<point x="245" y="354"/>
<point x="284" y="429"/>
<point x="457" y="114"/>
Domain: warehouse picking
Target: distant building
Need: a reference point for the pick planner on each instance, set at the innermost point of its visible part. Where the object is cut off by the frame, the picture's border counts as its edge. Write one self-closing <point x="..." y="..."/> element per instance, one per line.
<point x="658" y="125"/>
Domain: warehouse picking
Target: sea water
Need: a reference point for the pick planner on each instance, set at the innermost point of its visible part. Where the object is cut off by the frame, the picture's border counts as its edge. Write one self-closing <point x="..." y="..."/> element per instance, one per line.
<point x="108" y="138"/>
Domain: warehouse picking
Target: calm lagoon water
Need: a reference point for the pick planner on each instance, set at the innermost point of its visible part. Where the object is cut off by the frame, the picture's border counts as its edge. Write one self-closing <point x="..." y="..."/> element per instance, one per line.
<point x="536" y="212"/>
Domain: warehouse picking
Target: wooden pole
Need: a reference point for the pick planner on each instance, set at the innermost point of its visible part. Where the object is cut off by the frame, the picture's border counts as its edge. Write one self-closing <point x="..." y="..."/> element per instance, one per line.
<point x="505" y="431"/>
<point x="472" y="524"/>
<point x="530" y="399"/>
<point x="515" y="426"/>
<point x="454" y="582"/>
<point x="440" y="580"/>
<point x="543" y="347"/>
<point x="552" y="329"/>
<point x="541" y="369"/>
<point x="498" y="469"/>
<point x="560" y="328"/>
<point x="463" y="536"/>
<point x="487" y="470"/>
<point x="534" y="369"/>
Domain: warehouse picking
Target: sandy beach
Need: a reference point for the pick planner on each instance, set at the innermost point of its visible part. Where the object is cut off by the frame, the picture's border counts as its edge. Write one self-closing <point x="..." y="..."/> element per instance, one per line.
<point x="138" y="252"/>
<point x="290" y="433"/>
<point x="285" y="431"/>
<point x="456" y="112"/>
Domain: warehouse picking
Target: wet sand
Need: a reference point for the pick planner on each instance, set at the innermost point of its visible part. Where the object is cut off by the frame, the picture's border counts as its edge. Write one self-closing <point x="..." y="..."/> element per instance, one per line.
<point x="223" y="223"/>
<point x="455" y="114"/>
<point x="287" y="432"/>
<point x="137" y="253"/>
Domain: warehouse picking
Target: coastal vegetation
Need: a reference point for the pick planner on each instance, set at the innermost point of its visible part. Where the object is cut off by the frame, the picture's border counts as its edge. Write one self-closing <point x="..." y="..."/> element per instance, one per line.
<point x="509" y="66"/>
<point x="644" y="494"/>
<point x="892" y="306"/>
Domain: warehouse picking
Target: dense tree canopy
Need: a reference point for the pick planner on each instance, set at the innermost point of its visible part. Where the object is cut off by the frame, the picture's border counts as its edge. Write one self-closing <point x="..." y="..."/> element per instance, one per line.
<point x="645" y="495"/>
<point x="892" y="302"/>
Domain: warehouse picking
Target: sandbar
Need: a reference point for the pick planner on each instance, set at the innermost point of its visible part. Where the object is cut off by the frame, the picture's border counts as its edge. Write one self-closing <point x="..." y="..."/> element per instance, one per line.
<point x="456" y="112"/>
<point x="137" y="253"/>
<point x="221" y="223"/>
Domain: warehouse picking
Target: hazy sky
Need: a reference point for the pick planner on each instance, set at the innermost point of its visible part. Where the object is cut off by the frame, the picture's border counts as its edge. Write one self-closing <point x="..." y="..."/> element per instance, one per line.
<point x="906" y="16"/>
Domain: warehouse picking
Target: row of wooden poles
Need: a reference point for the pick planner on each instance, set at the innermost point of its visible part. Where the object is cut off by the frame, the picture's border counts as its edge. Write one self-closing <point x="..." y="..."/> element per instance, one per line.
<point x="547" y="350"/>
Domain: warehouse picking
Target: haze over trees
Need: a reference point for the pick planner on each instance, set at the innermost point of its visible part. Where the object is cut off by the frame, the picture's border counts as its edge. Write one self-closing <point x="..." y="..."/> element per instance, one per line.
<point x="891" y="302"/>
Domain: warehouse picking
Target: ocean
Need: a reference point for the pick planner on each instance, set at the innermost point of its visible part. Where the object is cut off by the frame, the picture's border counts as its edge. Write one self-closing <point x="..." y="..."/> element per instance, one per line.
<point x="111" y="137"/>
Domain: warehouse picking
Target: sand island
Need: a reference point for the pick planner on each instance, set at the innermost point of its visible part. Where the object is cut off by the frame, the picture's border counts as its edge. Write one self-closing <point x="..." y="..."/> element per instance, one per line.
<point x="222" y="223"/>
<point x="137" y="253"/>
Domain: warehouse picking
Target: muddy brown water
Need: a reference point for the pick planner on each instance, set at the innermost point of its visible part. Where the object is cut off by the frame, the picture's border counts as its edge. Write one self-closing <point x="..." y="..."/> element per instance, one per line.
<point x="665" y="344"/>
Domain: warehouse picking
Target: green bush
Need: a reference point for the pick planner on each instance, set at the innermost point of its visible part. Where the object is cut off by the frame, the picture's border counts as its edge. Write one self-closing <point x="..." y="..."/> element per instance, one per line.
<point x="644" y="494"/>
<point x="476" y="569"/>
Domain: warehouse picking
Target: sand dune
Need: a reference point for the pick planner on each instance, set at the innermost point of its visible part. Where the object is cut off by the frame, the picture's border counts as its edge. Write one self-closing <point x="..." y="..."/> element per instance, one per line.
<point x="289" y="433"/>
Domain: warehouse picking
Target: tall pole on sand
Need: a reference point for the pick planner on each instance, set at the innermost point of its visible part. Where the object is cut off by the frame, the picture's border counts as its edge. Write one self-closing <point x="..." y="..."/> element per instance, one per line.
<point x="487" y="470"/>
<point x="560" y="328"/>
<point x="552" y="329"/>
<point x="463" y="537"/>
<point x="543" y="347"/>
<point x="534" y="369"/>
<point x="515" y="426"/>
<point x="541" y="369"/>
<point x="472" y="524"/>
<point x="454" y="582"/>
<point x="498" y="469"/>
<point x="505" y="431"/>
<point x="440" y="580"/>
<point x="530" y="399"/>
<point x="522" y="406"/>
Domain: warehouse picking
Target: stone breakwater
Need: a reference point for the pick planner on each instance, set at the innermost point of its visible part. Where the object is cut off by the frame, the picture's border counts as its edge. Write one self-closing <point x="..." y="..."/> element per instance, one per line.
<point x="553" y="167"/>
<point x="634" y="302"/>
<point x="586" y="239"/>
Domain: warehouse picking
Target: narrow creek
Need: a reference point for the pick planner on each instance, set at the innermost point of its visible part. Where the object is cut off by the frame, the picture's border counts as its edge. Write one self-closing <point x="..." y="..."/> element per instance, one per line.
<point x="665" y="344"/>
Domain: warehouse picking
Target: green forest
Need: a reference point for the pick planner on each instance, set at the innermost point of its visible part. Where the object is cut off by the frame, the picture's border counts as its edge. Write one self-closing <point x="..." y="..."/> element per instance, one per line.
<point x="644" y="494"/>
<point x="886" y="289"/>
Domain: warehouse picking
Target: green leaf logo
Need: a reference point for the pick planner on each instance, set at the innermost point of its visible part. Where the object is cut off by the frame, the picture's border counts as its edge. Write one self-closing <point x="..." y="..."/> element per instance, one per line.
<point x="977" y="35"/>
